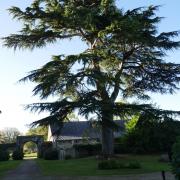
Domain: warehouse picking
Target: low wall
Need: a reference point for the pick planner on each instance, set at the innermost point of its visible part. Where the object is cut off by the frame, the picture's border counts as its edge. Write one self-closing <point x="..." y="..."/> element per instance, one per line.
<point x="9" y="146"/>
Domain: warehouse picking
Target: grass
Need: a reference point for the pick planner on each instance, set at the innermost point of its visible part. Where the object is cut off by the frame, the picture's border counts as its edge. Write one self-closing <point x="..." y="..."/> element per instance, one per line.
<point x="30" y="156"/>
<point x="8" y="165"/>
<point x="88" y="166"/>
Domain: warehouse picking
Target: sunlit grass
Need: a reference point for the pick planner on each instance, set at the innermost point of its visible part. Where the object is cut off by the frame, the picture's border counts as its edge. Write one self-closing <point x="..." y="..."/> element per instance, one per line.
<point x="30" y="156"/>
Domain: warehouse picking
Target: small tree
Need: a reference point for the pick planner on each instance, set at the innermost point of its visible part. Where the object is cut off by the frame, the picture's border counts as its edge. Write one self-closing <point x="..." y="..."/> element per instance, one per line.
<point x="43" y="130"/>
<point x="1" y="138"/>
<point x="17" y="155"/>
<point x="9" y="135"/>
<point x="124" y="58"/>
<point x="176" y="159"/>
<point x="4" y="155"/>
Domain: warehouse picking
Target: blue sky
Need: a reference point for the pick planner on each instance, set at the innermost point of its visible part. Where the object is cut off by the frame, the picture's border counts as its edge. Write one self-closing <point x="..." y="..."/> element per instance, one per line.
<point x="15" y="64"/>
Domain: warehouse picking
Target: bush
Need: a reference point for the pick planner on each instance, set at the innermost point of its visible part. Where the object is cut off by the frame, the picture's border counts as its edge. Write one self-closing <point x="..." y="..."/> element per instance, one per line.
<point x="4" y="156"/>
<point x="68" y="157"/>
<point x="88" y="149"/>
<point x="120" y="148"/>
<point x="114" y="164"/>
<point x="176" y="159"/>
<point x="8" y="146"/>
<point x="134" y="165"/>
<point x="158" y="138"/>
<point x="51" y="154"/>
<point x="17" y="155"/>
<point x="122" y="165"/>
<point x="108" y="164"/>
<point x="45" y="146"/>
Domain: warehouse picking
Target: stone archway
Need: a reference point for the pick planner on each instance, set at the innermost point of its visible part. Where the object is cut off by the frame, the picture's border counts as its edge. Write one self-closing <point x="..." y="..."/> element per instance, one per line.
<point x="37" y="139"/>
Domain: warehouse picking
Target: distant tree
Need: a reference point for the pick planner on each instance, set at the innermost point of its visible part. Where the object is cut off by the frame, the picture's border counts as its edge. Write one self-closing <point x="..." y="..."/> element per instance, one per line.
<point x="9" y="135"/>
<point x="1" y="138"/>
<point x="30" y="147"/>
<point x="124" y="59"/>
<point x="42" y="130"/>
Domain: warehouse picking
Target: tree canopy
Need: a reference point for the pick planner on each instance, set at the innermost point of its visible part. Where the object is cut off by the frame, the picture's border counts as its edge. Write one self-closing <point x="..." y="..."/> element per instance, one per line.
<point x="125" y="58"/>
<point x="150" y="135"/>
<point x="9" y="135"/>
<point x="38" y="131"/>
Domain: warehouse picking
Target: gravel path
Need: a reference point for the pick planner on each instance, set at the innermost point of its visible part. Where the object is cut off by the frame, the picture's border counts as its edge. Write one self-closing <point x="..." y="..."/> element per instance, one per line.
<point x="29" y="170"/>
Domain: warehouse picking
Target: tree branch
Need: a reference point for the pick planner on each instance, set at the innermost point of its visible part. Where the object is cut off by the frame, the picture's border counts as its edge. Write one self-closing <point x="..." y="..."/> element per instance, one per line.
<point x="115" y="92"/>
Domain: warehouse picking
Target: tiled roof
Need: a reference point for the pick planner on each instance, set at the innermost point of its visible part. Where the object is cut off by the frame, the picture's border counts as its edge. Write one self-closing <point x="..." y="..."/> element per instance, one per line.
<point x="82" y="129"/>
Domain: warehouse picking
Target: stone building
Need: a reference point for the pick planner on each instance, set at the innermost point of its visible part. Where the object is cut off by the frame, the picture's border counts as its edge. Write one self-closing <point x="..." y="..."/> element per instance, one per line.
<point x="65" y="136"/>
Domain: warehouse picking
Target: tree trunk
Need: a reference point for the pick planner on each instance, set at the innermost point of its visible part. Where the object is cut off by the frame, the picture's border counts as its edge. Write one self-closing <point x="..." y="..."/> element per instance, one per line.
<point x="107" y="139"/>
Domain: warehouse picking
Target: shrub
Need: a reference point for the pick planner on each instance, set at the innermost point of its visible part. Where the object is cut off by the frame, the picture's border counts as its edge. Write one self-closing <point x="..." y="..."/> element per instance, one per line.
<point x="68" y="157"/>
<point x="51" y="154"/>
<point x="114" y="164"/>
<point x="176" y="159"/>
<point x="45" y="146"/>
<point x="122" y="165"/>
<point x="88" y="149"/>
<point x="134" y="165"/>
<point x="4" y="156"/>
<point x="17" y="155"/>
<point x="108" y="164"/>
<point x="121" y="148"/>
<point x="8" y="146"/>
<point x="158" y="138"/>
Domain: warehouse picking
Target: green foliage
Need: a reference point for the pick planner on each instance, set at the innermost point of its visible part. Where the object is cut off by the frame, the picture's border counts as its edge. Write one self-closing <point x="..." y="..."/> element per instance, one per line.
<point x="108" y="164"/>
<point x="67" y="157"/>
<point x="45" y="146"/>
<point x="134" y="165"/>
<point x="130" y="125"/>
<point x="115" y="164"/>
<point x="42" y="130"/>
<point x="124" y="59"/>
<point x="121" y="147"/>
<point x="17" y="155"/>
<point x="4" y="155"/>
<point x="88" y="166"/>
<point x="30" y="147"/>
<point x="152" y="136"/>
<point x="8" y="146"/>
<point x="50" y="154"/>
<point x="176" y="159"/>
<point x="1" y="138"/>
<point x="9" y="135"/>
<point x="7" y="166"/>
<point x="95" y="149"/>
<point x="88" y="149"/>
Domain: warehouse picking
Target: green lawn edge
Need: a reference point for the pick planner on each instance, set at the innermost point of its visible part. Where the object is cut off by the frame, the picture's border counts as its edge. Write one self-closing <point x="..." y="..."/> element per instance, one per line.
<point x="6" y="166"/>
<point x="88" y="166"/>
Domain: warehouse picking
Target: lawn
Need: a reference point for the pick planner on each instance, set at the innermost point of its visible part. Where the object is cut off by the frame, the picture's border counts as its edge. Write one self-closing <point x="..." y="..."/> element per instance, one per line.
<point x="8" y="165"/>
<point x="88" y="166"/>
